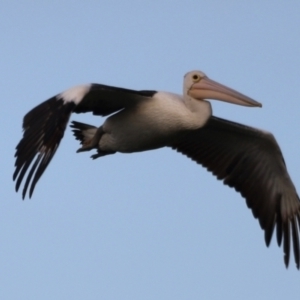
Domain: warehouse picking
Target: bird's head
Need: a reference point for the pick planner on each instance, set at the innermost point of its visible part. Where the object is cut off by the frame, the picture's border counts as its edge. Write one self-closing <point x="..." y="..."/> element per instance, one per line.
<point x="198" y="86"/>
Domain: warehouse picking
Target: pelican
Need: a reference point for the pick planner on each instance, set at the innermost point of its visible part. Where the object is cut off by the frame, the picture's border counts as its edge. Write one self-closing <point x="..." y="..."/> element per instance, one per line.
<point x="245" y="158"/>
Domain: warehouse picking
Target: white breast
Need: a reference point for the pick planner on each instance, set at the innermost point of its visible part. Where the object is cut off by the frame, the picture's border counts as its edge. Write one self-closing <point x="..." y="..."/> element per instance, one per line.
<point x="153" y="123"/>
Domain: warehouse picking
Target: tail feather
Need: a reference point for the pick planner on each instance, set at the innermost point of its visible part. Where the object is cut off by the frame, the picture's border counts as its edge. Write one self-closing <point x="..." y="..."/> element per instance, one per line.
<point x="89" y="137"/>
<point x="83" y="132"/>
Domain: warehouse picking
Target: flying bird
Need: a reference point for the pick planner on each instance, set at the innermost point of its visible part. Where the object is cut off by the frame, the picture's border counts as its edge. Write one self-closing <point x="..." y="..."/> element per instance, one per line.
<point x="245" y="158"/>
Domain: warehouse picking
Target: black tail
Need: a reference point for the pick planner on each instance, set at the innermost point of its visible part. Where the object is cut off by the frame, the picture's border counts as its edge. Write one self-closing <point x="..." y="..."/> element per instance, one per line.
<point x="80" y="131"/>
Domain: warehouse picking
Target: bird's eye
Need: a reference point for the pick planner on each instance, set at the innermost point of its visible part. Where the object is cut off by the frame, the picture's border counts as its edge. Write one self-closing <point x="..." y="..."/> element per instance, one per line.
<point x="196" y="77"/>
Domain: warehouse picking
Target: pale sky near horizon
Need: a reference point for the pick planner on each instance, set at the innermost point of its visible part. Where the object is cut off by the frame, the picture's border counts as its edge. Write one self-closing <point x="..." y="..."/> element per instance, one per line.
<point x="151" y="225"/>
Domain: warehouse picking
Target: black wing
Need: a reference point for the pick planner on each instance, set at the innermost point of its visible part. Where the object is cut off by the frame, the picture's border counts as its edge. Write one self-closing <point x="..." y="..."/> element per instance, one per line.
<point x="250" y="161"/>
<point x="104" y="100"/>
<point x="44" y="125"/>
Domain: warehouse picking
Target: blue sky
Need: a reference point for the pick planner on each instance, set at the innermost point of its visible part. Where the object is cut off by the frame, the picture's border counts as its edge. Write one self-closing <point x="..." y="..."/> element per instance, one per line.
<point x="152" y="225"/>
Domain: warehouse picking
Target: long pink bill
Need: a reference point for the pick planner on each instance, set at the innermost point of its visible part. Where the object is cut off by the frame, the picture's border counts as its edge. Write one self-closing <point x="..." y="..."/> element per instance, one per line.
<point x="206" y="88"/>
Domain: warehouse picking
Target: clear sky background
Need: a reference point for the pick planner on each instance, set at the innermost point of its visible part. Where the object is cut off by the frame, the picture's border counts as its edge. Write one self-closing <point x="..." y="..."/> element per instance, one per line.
<point x="152" y="225"/>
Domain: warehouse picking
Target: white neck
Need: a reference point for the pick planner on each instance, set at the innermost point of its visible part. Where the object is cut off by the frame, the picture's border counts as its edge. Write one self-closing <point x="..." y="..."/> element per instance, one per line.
<point x="200" y="110"/>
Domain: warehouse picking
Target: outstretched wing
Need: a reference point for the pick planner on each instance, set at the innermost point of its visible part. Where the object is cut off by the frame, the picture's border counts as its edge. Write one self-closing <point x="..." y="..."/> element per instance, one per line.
<point x="44" y="125"/>
<point x="250" y="161"/>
